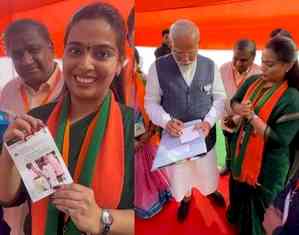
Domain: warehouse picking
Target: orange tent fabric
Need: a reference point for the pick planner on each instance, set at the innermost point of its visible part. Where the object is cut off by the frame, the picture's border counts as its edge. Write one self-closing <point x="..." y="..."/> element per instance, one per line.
<point x="55" y="14"/>
<point x="143" y="6"/>
<point x="221" y="22"/>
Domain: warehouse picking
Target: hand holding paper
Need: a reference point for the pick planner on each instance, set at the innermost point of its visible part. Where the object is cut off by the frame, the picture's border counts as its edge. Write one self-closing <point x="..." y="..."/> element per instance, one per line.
<point x="189" y="134"/>
<point x="78" y="202"/>
<point x="39" y="163"/>
<point x="21" y="127"/>
<point x="174" y="150"/>
<point x="203" y="127"/>
<point x="174" y="127"/>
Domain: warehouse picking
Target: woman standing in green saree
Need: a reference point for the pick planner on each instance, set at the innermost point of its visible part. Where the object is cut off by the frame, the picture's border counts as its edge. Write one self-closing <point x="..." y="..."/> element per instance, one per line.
<point x="269" y="107"/>
<point x="92" y="131"/>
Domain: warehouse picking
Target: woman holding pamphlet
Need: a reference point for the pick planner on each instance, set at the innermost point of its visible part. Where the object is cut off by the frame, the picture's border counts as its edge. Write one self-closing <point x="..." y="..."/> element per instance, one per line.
<point x="92" y="131"/>
<point x="269" y="107"/>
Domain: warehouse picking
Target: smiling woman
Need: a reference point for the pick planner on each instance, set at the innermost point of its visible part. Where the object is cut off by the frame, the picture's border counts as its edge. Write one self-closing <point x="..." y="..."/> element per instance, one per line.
<point x="93" y="131"/>
<point x="91" y="59"/>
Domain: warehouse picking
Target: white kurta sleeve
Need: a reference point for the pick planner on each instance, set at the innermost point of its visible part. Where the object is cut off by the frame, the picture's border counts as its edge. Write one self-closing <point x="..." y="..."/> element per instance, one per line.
<point x="217" y="109"/>
<point x="152" y="99"/>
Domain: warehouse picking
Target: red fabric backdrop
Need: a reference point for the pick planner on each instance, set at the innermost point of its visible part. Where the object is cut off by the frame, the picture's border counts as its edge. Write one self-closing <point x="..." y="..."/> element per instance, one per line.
<point x="221" y="22"/>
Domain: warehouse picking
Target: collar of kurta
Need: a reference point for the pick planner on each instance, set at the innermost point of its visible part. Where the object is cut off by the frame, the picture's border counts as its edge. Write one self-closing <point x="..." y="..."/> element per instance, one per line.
<point x="46" y="86"/>
<point x="244" y="74"/>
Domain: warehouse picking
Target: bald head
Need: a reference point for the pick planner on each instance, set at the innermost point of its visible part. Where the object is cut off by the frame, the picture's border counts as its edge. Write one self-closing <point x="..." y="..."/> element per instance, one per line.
<point x="184" y="28"/>
<point x="245" y="44"/>
<point x="244" y="54"/>
<point x="184" y="40"/>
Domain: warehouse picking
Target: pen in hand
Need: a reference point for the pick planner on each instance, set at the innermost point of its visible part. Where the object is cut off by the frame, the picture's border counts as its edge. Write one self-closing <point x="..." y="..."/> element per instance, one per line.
<point x="174" y="127"/>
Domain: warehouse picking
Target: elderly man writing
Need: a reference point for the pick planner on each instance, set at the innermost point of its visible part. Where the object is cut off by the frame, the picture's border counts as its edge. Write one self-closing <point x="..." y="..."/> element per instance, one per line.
<point x="182" y="87"/>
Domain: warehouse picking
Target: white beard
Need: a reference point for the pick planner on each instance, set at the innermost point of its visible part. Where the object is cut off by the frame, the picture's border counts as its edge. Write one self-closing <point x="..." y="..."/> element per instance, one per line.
<point x="186" y="68"/>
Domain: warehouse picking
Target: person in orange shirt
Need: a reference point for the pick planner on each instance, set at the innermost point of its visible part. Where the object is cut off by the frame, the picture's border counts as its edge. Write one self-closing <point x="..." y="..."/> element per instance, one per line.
<point x="30" y="47"/>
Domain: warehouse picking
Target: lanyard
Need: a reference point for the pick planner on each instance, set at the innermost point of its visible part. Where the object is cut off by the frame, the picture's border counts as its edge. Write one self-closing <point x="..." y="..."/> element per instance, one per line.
<point x="25" y="97"/>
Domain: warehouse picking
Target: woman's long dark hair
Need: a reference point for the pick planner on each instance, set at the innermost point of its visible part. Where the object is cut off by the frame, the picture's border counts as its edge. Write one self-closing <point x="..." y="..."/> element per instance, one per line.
<point x="286" y="52"/>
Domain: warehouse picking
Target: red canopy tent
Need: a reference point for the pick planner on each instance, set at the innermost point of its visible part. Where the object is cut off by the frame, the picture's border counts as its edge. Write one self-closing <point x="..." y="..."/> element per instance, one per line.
<point x="221" y="22"/>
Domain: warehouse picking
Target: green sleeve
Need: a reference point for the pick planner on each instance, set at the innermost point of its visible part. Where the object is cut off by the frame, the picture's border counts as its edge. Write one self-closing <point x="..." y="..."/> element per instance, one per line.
<point x="282" y="133"/>
<point x="277" y="151"/>
<point x="127" y="199"/>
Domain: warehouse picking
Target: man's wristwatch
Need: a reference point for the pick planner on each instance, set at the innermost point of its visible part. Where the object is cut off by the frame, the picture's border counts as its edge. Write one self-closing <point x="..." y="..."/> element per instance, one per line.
<point x="106" y="220"/>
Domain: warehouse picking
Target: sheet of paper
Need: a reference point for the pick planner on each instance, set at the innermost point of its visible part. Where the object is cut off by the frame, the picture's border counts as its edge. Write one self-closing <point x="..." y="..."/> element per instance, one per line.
<point x="139" y="129"/>
<point x="39" y="163"/>
<point x="189" y="134"/>
<point x="172" y="151"/>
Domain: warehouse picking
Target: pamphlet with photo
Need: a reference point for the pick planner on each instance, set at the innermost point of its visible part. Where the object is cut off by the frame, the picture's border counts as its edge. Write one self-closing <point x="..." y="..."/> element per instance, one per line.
<point x="39" y="163"/>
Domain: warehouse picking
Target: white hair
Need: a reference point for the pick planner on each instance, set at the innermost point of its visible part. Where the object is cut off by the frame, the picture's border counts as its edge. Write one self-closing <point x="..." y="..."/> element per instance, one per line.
<point x="182" y="28"/>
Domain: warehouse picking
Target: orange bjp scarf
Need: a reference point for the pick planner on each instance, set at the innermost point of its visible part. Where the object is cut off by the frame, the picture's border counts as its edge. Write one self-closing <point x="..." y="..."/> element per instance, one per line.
<point x="249" y="152"/>
<point x="99" y="159"/>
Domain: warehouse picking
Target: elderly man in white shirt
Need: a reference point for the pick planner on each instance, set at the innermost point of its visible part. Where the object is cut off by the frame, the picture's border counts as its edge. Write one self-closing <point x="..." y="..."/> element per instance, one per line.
<point x="181" y="87"/>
